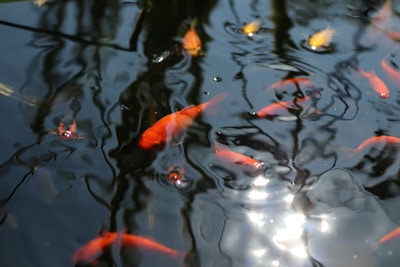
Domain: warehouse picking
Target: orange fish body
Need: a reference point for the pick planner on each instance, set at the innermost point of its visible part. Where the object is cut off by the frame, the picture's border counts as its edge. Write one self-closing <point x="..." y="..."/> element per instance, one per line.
<point x="377" y="140"/>
<point x="392" y="74"/>
<point x="89" y="251"/>
<point x="391" y="235"/>
<point x="251" y="28"/>
<point x="376" y="83"/>
<point x="175" y="174"/>
<point x="174" y="124"/>
<point x="321" y="39"/>
<point x="67" y="129"/>
<point x="275" y="108"/>
<point x="227" y="155"/>
<point x="296" y="81"/>
<point x="192" y="42"/>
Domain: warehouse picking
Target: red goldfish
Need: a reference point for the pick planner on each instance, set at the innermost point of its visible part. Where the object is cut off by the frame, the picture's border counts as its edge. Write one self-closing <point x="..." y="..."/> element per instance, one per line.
<point x="67" y="131"/>
<point x="251" y="28"/>
<point x="227" y="155"/>
<point x="321" y="39"/>
<point x="171" y="125"/>
<point x="391" y="72"/>
<point x="376" y="83"/>
<point x="391" y="235"/>
<point x="175" y="174"/>
<point x="90" y="250"/>
<point x="192" y="42"/>
<point x="296" y="81"/>
<point x="378" y="140"/>
<point x="275" y="108"/>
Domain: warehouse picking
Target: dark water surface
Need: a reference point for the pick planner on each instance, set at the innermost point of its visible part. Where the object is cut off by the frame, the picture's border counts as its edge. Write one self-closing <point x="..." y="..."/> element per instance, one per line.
<point x="117" y="67"/>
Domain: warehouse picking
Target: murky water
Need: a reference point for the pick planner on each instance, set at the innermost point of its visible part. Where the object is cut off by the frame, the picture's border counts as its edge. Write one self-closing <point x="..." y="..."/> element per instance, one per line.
<point x="114" y="68"/>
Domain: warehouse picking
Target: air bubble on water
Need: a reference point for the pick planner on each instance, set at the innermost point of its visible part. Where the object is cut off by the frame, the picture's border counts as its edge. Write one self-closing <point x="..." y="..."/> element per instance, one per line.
<point x="217" y="79"/>
<point x="125" y="107"/>
<point x="207" y="93"/>
<point x="252" y="112"/>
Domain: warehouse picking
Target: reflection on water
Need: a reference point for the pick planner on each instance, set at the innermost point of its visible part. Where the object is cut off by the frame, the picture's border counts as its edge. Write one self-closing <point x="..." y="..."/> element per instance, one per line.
<point x="84" y="80"/>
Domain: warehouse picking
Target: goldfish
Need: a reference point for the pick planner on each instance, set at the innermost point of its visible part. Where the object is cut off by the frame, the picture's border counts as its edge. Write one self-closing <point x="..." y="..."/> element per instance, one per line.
<point x="227" y="155"/>
<point x="391" y="235"/>
<point x="91" y="249"/>
<point x="383" y="15"/>
<point x="376" y="83"/>
<point x="378" y="139"/>
<point x="391" y="72"/>
<point x="321" y="38"/>
<point x="251" y="28"/>
<point x="275" y="108"/>
<point x="67" y="129"/>
<point x="175" y="174"/>
<point x="192" y="42"/>
<point x="296" y="81"/>
<point x="172" y="125"/>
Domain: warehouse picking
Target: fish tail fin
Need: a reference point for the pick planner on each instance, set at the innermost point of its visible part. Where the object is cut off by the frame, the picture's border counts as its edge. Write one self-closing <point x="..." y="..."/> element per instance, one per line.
<point x="213" y="101"/>
<point x="350" y="152"/>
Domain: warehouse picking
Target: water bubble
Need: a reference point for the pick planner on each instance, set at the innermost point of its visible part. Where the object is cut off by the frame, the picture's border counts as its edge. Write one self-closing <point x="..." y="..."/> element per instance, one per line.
<point x="252" y="112"/>
<point x="125" y="107"/>
<point x="207" y="93"/>
<point x="217" y="79"/>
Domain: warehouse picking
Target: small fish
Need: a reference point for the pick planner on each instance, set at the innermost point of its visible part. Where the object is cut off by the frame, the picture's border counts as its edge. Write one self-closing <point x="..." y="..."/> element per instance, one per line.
<point x="175" y="174"/>
<point x="67" y="129"/>
<point x="39" y="3"/>
<point x="275" y="108"/>
<point x="391" y="72"/>
<point x="383" y="15"/>
<point x="227" y="155"/>
<point x="297" y="81"/>
<point x="387" y="139"/>
<point x="376" y="83"/>
<point x="251" y="28"/>
<point x="172" y="125"/>
<point x="89" y="251"/>
<point x="391" y="235"/>
<point x="192" y="42"/>
<point x="321" y="38"/>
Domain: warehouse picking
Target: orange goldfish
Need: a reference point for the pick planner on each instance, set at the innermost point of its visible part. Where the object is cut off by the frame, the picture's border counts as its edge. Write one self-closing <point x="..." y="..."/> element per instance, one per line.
<point x="171" y="125"/>
<point x="321" y="38"/>
<point x="378" y="139"/>
<point x="391" y="235"/>
<point x="275" y="108"/>
<point x="67" y="129"/>
<point x="251" y="28"/>
<point x="376" y="83"/>
<point x="90" y="250"/>
<point x="296" y="81"/>
<point x="227" y="155"/>
<point x="391" y="72"/>
<point x="192" y="42"/>
<point x="383" y="15"/>
<point x="175" y="174"/>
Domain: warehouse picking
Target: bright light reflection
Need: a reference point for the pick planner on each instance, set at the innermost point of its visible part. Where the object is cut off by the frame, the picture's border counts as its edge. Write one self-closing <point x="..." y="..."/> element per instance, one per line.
<point x="257" y="195"/>
<point x="275" y="263"/>
<point x="259" y="252"/>
<point x="260" y="181"/>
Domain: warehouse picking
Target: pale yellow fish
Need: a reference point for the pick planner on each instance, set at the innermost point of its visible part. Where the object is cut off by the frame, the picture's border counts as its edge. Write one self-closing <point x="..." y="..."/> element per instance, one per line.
<point x="251" y="28"/>
<point x="39" y="2"/>
<point x="321" y="38"/>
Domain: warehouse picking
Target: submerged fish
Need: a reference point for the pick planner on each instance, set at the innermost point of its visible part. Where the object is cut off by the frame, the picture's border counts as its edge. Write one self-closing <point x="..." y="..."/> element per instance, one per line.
<point x="376" y="83"/>
<point x="89" y="251"/>
<point x="275" y="108"/>
<point x="390" y="236"/>
<point x="321" y="39"/>
<point x="229" y="156"/>
<point x="390" y="72"/>
<point x="303" y="81"/>
<point x="191" y="42"/>
<point x="172" y="125"/>
<point x="382" y="139"/>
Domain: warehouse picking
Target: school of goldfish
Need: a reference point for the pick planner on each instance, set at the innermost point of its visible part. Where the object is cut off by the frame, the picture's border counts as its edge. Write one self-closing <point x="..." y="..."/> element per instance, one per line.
<point x="169" y="130"/>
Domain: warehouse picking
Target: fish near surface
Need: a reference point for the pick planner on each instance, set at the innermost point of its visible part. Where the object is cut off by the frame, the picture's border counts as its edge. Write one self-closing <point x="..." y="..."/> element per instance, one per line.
<point x="375" y="140"/>
<point x="170" y="126"/>
<point x="376" y="83"/>
<point x="232" y="157"/>
<point x="321" y="39"/>
<point x="251" y="28"/>
<point x="67" y="129"/>
<point x="275" y="108"/>
<point x="191" y="42"/>
<point x="390" y="72"/>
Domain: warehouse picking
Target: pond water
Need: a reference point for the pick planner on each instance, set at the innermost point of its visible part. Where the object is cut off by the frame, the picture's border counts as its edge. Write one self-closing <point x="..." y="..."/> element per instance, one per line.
<point x="114" y="68"/>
